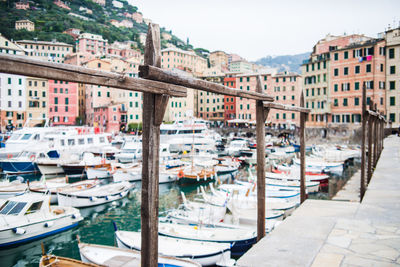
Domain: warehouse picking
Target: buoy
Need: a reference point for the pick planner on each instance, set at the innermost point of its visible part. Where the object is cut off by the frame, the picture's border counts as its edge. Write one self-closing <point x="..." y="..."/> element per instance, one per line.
<point x="48" y="224"/>
<point x="32" y="158"/>
<point x="180" y="174"/>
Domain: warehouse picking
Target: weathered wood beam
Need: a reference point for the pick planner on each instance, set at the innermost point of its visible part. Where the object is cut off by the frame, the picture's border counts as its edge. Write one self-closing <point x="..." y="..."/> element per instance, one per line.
<point x="261" y="116"/>
<point x="376" y="138"/>
<point x="56" y="71"/>
<point x="372" y="113"/>
<point x="158" y="74"/>
<point x="364" y="122"/>
<point x="154" y="106"/>
<point x="371" y="135"/>
<point x="286" y="107"/>
<point x="303" y="115"/>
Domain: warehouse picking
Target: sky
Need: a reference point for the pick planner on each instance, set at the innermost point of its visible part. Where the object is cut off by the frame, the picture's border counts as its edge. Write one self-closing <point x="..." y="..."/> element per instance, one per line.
<point x="257" y="28"/>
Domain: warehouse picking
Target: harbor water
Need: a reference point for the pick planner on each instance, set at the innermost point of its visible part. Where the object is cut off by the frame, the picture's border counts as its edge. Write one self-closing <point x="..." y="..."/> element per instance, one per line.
<point x="97" y="226"/>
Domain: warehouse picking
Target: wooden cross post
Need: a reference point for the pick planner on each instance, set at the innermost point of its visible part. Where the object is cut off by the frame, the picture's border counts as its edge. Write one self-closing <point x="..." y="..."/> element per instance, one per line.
<point x="154" y="106"/>
<point x="364" y="121"/>
<point x="371" y="135"/>
<point x="261" y="116"/>
<point x="302" y="152"/>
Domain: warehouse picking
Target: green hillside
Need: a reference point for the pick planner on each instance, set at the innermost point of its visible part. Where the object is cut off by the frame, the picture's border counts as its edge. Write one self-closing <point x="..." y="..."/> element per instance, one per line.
<point x="51" y="20"/>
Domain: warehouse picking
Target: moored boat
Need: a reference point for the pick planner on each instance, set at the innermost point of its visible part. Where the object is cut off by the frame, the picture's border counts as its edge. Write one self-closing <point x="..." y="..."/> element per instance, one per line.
<point x="204" y="253"/>
<point x="57" y="261"/>
<point x="93" y="196"/>
<point x="29" y="217"/>
<point x="113" y="256"/>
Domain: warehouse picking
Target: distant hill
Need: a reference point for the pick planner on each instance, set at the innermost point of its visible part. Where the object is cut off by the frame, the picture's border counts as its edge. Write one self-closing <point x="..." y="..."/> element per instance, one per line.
<point x="51" y="20"/>
<point x="284" y="63"/>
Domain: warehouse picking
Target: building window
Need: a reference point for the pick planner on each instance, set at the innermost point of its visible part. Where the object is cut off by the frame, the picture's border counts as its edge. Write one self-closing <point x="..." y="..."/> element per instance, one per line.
<point x="392" y="101"/>
<point x="392" y="117"/>
<point x="335" y="87"/>
<point x="346" y="71"/>
<point x="9" y="80"/>
<point x="346" y="55"/>
<point x="357" y="69"/>
<point x="66" y="101"/>
<point x="336" y="72"/>
<point x="56" y="100"/>
<point x="392" y="85"/>
<point x="356" y="101"/>
<point x="391" y="53"/>
<point x="248" y="79"/>
<point x="345" y="102"/>
<point x="356" y="85"/>
<point x="392" y="69"/>
<point x="277" y="116"/>
<point x="99" y="93"/>
<point x="336" y="55"/>
<point x="335" y="102"/>
<point x="368" y="68"/>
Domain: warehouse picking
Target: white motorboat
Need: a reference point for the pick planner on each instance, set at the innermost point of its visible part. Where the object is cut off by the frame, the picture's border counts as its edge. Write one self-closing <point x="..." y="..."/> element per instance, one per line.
<point x="335" y="153"/>
<point x="319" y="163"/>
<point x="240" y="239"/>
<point x="99" y="172"/>
<point x="236" y="146"/>
<point x="311" y="187"/>
<point x="295" y="177"/>
<point x="113" y="256"/>
<point x="93" y="196"/>
<point x="130" y="152"/>
<point x="204" y="253"/>
<point x="133" y="173"/>
<point x="28" y="217"/>
<point x="10" y="189"/>
<point x="52" y="186"/>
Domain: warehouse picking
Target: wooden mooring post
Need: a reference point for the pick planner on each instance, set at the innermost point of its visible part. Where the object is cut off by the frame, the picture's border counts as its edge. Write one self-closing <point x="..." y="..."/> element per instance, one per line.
<point x="261" y="116"/>
<point x="371" y="136"/>
<point x="303" y="113"/>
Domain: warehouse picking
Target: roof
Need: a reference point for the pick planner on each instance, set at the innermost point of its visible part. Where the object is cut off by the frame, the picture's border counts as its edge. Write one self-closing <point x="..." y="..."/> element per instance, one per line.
<point x="42" y="42"/>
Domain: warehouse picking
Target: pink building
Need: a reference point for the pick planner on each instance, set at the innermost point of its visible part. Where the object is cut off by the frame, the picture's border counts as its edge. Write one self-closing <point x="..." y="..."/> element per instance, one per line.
<point x="350" y="68"/>
<point x="111" y="117"/>
<point x="61" y="4"/>
<point x="73" y="32"/>
<point x="22" y="5"/>
<point x="138" y="17"/>
<point x="285" y="87"/>
<point x="92" y="43"/>
<point x="63" y="102"/>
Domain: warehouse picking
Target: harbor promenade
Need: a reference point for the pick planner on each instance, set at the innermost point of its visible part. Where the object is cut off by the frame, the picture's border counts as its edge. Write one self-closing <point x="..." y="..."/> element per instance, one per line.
<point x="341" y="233"/>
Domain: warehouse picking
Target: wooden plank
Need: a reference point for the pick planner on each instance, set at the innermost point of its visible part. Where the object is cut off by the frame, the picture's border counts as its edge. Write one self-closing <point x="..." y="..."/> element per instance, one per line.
<point x="302" y="152"/>
<point x="287" y="107"/>
<point x="161" y="105"/>
<point x="364" y="121"/>
<point x="56" y="71"/>
<point x="150" y="153"/>
<point x="260" y="118"/>
<point x="158" y="74"/>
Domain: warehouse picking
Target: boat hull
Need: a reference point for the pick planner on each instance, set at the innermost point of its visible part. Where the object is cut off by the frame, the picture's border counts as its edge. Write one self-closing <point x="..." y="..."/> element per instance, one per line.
<point x="18" y="167"/>
<point x="50" y="169"/>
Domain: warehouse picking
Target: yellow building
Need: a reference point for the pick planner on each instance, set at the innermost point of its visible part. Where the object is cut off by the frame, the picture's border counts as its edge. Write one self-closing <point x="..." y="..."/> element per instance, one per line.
<point x="393" y="76"/>
<point x="36" y="100"/>
<point x="175" y="58"/>
<point x="218" y="58"/>
<point x="210" y="106"/>
<point x="25" y="24"/>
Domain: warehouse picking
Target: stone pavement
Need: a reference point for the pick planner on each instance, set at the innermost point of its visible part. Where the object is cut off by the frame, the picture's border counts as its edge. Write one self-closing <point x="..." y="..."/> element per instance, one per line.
<point x="351" y="190"/>
<point x="338" y="233"/>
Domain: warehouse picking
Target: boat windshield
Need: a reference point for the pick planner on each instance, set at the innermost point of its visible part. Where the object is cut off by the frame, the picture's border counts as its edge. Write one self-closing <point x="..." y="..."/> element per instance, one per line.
<point x="15" y="137"/>
<point x="34" y="207"/>
<point x="12" y="208"/>
<point x="26" y="136"/>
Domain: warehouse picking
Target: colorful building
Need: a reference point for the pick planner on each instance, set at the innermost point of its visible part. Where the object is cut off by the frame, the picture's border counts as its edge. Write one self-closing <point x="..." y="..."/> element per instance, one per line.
<point x="91" y="43"/>
<point x="48" y="51"/>
<point x="37" y="100"/>
<point x="218" y="58"/>
<point x="392" y="37"/>
<point x="175" y="58"/>
<point x="241" y="66"/>
<point x="12" y="100"/>
<point x="63" y="102"/>
<point x="230" y="101"/>
<point x="25" y="24"/>
<point x="210" y="106"/>
<point x="351" y="67"/>
<point x="110" y="118"/>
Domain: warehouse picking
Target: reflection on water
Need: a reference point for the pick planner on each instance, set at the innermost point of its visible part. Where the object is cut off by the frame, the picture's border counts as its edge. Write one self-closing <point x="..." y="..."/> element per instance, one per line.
<point x="97" y="226"/>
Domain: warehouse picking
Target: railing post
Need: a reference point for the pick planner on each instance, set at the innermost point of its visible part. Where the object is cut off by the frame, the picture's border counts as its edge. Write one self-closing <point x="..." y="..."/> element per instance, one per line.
<point x="261" y="116"/>
<point x="303" y="195"/>
<point x="370" y="136"/>
<point x="153" y="111"/>
<point x="376" y="137"/>
<point x="364" y="121"/>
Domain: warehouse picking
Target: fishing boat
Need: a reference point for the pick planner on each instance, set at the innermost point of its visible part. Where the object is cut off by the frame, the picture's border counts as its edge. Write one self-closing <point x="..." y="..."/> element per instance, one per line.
<point x="311" y="187"/>
<point x="204" y="253"/>
<point x="113" y="256"/>
<point x="29" y="217"/>
<point x="57" y="261"/>
<point x="196" y="174"/>
<point x="240" y="239"/>
<point x="133" y="173"/>
<point x="322" y="179"/>
<point x="94" y="196"/>
<point x="99" y="171"/>
<point x="78" y="164"/>
<point x="236" y="146"/>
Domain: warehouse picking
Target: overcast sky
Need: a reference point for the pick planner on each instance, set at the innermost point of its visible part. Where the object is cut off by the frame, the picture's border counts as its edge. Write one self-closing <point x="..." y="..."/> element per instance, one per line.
<point x="256" y="28"/>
